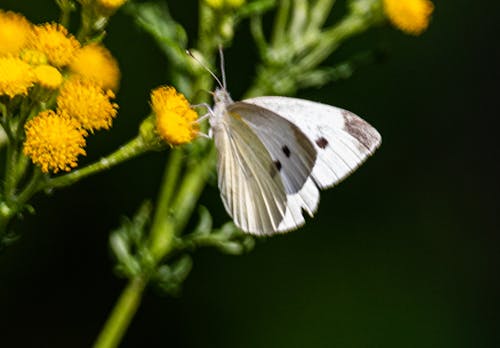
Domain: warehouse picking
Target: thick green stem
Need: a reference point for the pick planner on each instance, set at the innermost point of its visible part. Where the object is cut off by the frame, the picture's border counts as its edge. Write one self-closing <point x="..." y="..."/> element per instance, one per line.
<point x="163" y="229"/>
<point x="172" y="216"/>
<point x="192" y="187"/>
<point x="122" y="314"/>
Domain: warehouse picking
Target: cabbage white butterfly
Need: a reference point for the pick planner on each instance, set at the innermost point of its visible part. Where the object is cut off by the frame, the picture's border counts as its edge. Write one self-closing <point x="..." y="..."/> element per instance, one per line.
<point x="275" y="153"/>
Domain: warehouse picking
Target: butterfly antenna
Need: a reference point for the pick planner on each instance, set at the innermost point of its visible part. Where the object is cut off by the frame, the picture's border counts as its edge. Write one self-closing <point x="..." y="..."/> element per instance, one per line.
<point x="222" y="66"/>
<point x="222" y="85"/>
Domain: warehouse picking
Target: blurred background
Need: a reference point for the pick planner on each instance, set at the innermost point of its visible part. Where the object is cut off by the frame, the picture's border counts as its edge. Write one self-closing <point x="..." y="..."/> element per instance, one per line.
<point x="402" y="254"/>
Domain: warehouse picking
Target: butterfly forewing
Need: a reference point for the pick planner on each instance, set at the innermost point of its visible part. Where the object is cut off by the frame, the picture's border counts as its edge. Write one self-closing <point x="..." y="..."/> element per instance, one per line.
<point x="249" y="181"/>
<point x="291" y="150"/>
<point x="343" y="140"/>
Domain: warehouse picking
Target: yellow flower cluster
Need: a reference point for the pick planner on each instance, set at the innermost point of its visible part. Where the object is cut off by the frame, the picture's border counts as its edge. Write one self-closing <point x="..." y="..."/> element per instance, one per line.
<point x="175" y="120"/>
<point x="49" y="44"/>
<point x="47" y="58"/>
<point x="410" y="16"/>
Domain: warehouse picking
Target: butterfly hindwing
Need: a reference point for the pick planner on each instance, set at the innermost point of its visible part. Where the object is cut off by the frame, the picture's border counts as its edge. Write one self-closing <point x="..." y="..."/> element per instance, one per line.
<point x="307" y="199"/>
<point x="343" y="140"/>
<point x="294" y="154"/>
<point x="249" y="181"/>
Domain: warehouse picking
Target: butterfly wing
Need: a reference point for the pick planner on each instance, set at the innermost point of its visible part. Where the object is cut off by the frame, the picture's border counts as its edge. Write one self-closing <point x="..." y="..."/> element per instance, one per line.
<point x="291" y="150"/>
<point x="343" y="140"/>
<point x="249" y="181"/>
<point x="294" y="155"/>
<point x="307" y="199"/>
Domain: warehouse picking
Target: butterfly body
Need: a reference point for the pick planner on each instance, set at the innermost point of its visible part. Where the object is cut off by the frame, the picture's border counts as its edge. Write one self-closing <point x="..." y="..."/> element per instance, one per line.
<point x="274" y="153"/>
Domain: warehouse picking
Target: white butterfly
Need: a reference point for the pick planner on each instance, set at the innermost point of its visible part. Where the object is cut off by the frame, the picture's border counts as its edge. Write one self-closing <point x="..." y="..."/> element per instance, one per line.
<point x="274" y="153"/>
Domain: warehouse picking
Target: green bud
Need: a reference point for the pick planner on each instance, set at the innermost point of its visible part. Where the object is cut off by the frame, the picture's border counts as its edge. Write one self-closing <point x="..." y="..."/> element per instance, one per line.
<point x="149" y="135"/>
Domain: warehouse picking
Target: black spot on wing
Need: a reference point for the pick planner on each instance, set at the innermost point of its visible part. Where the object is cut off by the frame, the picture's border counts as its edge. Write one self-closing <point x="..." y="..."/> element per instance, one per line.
<point x="278" y="165"/>
<point x="275" y="168"/>
<point x="322" y="142"/>
<point x="286" y="150"/>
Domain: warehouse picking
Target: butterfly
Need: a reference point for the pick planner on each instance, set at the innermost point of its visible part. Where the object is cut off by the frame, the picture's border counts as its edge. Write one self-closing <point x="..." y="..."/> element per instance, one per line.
<point x="276" y="153"/>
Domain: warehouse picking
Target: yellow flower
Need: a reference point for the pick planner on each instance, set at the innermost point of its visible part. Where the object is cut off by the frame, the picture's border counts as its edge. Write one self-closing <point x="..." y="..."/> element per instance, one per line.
<point x="55" y="42"/>
<point x="88" y="103"/>
<point x="96" y="63"/>
<point x="175" y="120"/>
<point x="54" y="141"/>
<point x="14" y="32"/>
<point x="16" y="76"/>
<point x="48" y="76"/>
<point x="410" y="16"/>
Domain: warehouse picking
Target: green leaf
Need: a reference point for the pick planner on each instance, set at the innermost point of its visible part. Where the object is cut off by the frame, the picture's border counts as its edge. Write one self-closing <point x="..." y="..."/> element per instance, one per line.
<point x="169" y="278"/>
<point x="128" y="244"/>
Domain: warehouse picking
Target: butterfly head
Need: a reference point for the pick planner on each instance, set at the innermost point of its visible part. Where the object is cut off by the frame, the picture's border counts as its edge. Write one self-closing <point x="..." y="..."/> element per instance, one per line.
<point x="221" y="101"/>
<point x="222" y="97"/>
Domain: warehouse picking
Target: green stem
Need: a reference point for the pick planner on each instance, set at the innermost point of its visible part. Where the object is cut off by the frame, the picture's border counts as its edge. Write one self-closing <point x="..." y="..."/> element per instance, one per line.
<point x="66" y="8"/>
<point x="170" y="218"/>
<point x="299" y="18"/>
<point x="31" y="187"/>
<point x="122" y="314"/>
<point x="133" y="148"/>
<point x="163" y="229"/>
<point x="332" y="38"/>
<point x="85" y="26"/>
<point x="319" y="13"/>
<point x="10" y="170"/>
<point x="192" y="187"/>
<point x="6" y="214"/>
<point x="279" y="30"/>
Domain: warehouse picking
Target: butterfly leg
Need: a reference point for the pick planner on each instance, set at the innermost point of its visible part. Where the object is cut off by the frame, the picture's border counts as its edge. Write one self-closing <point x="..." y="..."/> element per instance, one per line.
<point x="203" y="135"/>
<point x="209" y="113"/>
<point x="203" y="105"/>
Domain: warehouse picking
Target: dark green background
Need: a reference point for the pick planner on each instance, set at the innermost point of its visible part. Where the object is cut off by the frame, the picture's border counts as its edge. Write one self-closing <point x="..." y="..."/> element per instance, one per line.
<point x="402" y="254"/>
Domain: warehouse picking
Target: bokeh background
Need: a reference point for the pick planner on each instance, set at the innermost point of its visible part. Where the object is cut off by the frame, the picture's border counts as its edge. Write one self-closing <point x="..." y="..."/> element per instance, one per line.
<point x="402" y="254"/>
